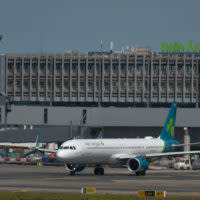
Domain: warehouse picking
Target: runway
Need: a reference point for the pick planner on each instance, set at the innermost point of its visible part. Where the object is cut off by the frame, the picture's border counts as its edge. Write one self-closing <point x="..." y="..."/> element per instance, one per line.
<point x="57" y="179"/>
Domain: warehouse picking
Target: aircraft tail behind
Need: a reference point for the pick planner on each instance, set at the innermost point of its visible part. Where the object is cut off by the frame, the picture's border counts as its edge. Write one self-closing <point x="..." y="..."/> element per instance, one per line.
<point x="37" y="141"/>
<point x="168" y="130"/>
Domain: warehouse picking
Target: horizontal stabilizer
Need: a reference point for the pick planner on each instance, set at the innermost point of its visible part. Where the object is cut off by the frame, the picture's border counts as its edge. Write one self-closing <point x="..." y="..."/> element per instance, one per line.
<point x="182" y="145"/>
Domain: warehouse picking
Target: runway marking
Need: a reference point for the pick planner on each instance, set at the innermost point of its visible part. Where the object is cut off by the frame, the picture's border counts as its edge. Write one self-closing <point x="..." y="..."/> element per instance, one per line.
<point x="20" y="191"/>
<point x="49" y="179"/>
<point x="192" y="175"/>
<point x="64" y="178"/>
<point x="195" y="193"/>
<point x="167" y="176"/>
<point x="49" y="184"/>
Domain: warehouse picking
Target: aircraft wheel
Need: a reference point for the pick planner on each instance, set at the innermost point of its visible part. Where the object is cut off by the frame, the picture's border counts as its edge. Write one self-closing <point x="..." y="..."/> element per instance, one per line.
<point x="99" y="171"/>
<point x="137" y="173"/>
<point x="72" y="173"/>
<point x="96" y="171"/>
<point x="143" y="173"/>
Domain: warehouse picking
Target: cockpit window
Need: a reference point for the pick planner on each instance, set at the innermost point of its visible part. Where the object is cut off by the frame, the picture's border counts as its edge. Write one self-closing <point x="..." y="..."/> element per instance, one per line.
<point x="68" y="147"/>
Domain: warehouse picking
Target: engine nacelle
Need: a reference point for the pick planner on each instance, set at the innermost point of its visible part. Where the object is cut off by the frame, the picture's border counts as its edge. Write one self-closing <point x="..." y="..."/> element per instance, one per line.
<point x="137" y="164"/>
<point x="76" y="168"/>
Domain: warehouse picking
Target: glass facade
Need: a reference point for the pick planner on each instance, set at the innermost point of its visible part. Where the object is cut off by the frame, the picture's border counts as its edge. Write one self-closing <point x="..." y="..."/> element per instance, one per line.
<point x="114" y="78"/>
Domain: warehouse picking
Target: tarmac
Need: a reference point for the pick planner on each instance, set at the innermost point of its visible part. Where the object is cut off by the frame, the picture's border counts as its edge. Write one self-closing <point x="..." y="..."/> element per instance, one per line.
<point x="27" y="178"/>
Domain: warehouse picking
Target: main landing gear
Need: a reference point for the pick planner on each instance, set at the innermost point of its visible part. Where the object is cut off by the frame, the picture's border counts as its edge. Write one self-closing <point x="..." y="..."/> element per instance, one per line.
<point x="140" y="173"/>
<point x="72" y="173"/>
<point x="99" y="171"/>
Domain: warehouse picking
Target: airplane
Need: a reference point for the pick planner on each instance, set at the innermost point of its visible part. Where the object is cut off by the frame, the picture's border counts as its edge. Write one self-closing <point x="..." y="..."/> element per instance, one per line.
<point x="136" y="153"/>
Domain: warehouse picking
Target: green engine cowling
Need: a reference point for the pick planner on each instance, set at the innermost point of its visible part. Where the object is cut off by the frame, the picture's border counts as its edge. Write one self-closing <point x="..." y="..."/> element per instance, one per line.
<point x="137" y="164"/>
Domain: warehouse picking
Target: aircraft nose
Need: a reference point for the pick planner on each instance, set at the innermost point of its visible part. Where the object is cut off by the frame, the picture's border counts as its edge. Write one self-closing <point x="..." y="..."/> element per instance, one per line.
<point x="60" y="155"/>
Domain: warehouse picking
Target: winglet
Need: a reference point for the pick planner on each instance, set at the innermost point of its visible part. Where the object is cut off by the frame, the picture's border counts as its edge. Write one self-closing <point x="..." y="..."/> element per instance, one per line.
<point x="37" y="141"/>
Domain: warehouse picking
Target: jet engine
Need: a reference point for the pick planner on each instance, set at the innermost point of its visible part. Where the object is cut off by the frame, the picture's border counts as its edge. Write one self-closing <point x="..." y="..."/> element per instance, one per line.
<point x="75" y="168"/>
<point x="137" y="164"/>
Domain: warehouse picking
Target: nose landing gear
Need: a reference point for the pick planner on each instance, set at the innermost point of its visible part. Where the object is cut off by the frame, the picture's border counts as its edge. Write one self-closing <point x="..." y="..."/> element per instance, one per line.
<point x="73" y="172"/>
<point x="99" y="171"/>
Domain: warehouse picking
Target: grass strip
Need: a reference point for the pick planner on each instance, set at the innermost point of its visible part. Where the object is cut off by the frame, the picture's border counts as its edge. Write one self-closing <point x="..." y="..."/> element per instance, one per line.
<point x="69" y="196"/>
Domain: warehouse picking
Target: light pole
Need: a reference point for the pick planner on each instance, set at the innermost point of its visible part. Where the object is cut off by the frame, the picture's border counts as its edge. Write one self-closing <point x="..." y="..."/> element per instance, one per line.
<point x="6" y="99"/>
<point x="5" y="113"/>
<point x="186" y="141"/>
<point x="1" y="36"/>
<point x="51" y="80"/>
<point x="2" y="98"/>
<point x="99" y="83"/>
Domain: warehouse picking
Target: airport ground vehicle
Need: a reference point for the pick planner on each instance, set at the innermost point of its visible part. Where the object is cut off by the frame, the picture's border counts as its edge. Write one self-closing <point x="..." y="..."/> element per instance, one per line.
<point x="183" y="164"/>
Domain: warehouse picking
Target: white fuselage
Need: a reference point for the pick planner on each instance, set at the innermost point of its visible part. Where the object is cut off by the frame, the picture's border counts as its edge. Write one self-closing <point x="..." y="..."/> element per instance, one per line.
<point x="106" y="151"/>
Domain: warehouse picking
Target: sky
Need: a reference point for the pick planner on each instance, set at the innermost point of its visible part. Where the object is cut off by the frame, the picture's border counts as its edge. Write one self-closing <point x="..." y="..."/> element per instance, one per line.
<point x="57" y="26"/>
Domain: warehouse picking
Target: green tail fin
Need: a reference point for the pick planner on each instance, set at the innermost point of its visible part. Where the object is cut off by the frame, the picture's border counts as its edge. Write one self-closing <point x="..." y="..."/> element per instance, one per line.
<point x="168" y="130"/>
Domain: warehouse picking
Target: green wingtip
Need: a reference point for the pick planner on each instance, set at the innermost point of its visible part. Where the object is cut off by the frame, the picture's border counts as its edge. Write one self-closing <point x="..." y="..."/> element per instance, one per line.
<point x="37" y="141"/>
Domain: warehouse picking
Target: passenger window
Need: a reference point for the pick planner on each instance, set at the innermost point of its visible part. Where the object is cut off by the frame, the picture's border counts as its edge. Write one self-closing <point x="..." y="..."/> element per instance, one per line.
<point x="71" y="148"/>
<point x="74" y="148"/>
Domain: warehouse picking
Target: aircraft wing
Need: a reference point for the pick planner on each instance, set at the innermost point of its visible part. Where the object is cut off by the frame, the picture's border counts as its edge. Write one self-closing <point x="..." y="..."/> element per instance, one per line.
<point x="155" y="155"/>
<point x="47" y="150"/>
<point x="39" y="149"/>
<point x="178" y="153"/>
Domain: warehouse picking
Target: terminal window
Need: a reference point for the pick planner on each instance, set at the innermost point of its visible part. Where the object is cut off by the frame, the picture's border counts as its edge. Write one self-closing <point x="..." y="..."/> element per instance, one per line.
<point x="45" y="116"/>
<point x="84" y="116"/>
<point x="0" y="114"/>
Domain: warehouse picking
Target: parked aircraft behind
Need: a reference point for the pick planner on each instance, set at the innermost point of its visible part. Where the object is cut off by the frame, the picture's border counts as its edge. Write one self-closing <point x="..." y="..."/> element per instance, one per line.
<point x="135" y="153"/>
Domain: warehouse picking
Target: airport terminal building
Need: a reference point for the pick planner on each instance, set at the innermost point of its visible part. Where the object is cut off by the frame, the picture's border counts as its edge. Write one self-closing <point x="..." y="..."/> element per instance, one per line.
<point x="138" y="77"/>
<point x="123" y="94"/>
